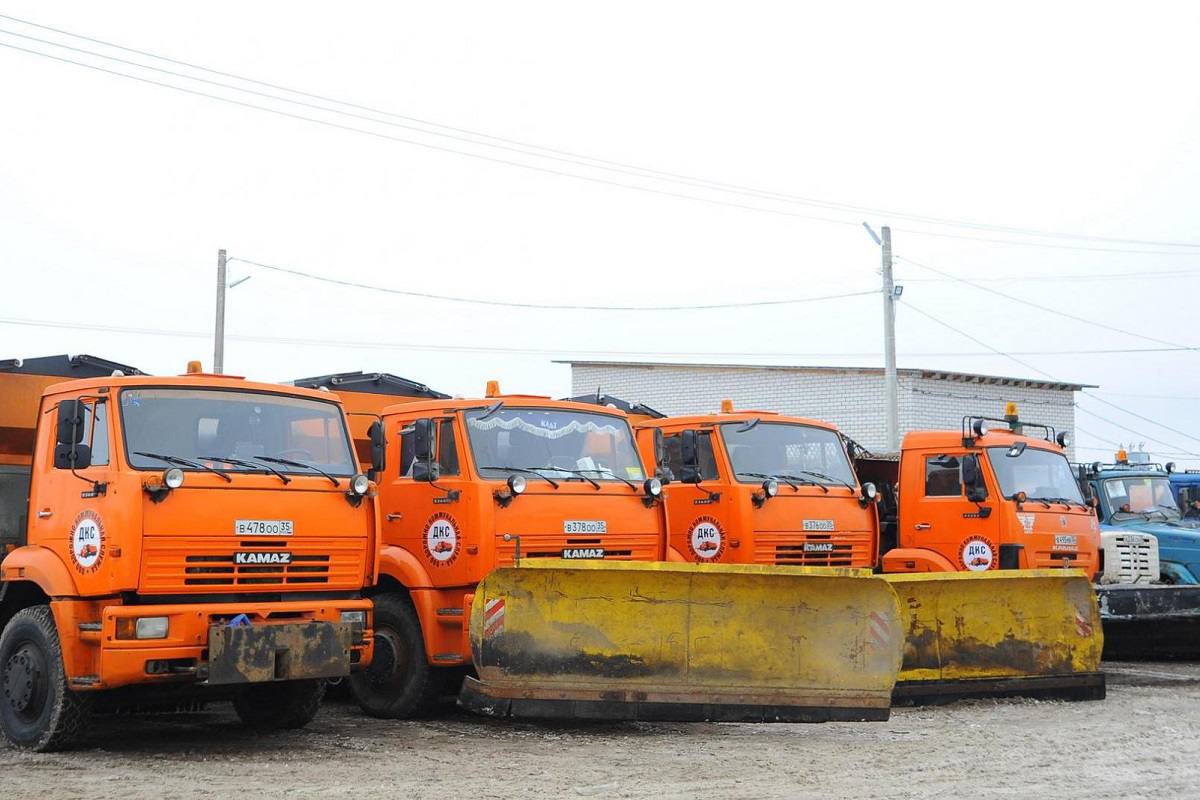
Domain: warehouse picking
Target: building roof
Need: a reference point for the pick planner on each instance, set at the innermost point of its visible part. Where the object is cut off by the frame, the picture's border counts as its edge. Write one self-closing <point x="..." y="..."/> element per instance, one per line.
<point x="935" y="374"/>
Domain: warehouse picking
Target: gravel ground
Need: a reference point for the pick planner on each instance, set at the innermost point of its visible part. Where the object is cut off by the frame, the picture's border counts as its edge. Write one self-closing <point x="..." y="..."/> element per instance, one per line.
<point x="1143" y="741"/>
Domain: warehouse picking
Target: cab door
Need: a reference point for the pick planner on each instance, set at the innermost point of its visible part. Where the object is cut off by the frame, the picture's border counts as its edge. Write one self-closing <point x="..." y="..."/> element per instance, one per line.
<point x="425" y="510"/>
<point x="937" y="514"/>
<point x="73" y="510"/>
<point x="699" y="503"/>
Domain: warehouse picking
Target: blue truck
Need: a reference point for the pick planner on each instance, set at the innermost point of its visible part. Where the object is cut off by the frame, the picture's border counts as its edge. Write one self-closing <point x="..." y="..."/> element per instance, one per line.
<point x="1136" y="496"/>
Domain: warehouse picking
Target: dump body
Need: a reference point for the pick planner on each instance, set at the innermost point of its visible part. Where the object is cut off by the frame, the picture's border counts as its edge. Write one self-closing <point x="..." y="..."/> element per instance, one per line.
<point x="719" y="510"/>
<point x="145" y="545"/>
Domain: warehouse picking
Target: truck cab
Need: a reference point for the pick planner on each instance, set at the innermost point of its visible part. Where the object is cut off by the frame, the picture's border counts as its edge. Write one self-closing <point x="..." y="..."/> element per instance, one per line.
<point x="470" y="485"/>
<point x="197" y="536"/>
<point x="987" y="498"/>
<point x="755" y="487"/>
<point x="1138" y="496"/>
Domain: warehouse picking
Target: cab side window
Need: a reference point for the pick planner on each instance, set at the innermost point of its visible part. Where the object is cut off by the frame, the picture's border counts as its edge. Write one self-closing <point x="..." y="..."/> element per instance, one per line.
<point x="943" y="476"/>
<point x="447" y="448"/>
<point x="98" y="434"/>
<point x="704" y="450"/>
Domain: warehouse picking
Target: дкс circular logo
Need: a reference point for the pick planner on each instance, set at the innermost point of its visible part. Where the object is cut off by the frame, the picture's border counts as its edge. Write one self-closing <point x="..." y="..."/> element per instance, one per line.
<point x="977" y="554"/>
<point x="441" y="539"/>
<point x="87" y="541"/>
<point x="705" y="539"/>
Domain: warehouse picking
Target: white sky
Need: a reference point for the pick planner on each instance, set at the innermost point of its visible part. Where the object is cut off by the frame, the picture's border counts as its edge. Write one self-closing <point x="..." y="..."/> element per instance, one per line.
<point x="1080" y="118"/>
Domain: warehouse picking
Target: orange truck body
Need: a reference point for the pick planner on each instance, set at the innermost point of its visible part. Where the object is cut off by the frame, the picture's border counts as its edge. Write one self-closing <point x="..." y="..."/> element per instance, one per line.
<point x="440" y="538"/>
<point x="726" y="518"/>
<point x="110" y="543"/>
<point x="936" y="528"/>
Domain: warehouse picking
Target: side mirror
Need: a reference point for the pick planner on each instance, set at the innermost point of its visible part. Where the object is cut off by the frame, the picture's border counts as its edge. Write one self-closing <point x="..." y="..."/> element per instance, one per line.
<point x="70" y="421"/>
<point x="378" y="448"/>
<point x="690" y="453"/>
<point x="423" y="440"/>
<point x="72" y="456"/>
<point x="972" y="478"/>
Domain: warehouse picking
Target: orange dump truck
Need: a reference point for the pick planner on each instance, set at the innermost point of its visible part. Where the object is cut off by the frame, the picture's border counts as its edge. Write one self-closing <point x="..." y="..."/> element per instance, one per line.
<point x="524" y="542"/>
<point x="171" y="540"/>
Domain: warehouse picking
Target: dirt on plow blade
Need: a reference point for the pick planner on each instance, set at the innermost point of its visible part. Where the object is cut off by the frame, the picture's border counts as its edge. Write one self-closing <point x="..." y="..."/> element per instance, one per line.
<point x="1030" y="633"/>
<point x="683" y="642"/>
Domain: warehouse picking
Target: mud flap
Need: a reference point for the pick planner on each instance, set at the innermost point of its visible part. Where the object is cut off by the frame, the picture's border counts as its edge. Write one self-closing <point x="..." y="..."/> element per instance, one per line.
<point x="1030" y="633"/>
<point x="261" y="653"/>
<point x="683" y="642"/>
<point x="1150" y="623"/>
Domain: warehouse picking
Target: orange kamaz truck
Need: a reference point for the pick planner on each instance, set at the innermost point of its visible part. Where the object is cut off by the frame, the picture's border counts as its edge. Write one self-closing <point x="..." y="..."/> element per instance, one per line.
<point x="172" y="540"/>
<point x="524" y="549"/>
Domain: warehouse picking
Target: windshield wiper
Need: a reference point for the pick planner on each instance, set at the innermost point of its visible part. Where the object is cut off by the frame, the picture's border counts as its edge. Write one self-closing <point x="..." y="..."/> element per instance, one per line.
<point x="822" y="476"/>
<point x="1065" y="501"/>
<point x="301" y="464"/>
<point x="492" y="409"/>
<point x="788" y="479"/>
<point x="530" y="470"/>
<point x="185" y="463"/>
<point x="608" y="473"/>
<point x="267" y="467"/>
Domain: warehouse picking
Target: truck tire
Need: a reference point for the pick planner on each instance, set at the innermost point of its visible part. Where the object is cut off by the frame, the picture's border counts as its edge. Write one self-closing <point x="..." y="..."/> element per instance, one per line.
<point x="399" y="683"/>
<point x="285" y="705"/>
<point x="37" y="709"/>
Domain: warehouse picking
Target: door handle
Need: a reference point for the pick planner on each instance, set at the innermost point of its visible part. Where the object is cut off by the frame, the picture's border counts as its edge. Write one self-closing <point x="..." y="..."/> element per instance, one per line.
<point x="922" y="526"/>
<point x="44" y="513"/>
<point x="394" y="516"/>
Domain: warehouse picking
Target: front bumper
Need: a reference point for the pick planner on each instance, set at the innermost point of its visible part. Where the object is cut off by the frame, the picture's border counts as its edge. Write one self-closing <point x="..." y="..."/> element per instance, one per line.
<point x="267" y="641"/>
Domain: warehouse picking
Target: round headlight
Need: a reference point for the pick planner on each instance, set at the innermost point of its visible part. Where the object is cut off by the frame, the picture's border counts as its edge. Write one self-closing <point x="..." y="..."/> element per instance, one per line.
<point x="516" y="484"/>
<point x="870" y="490"/>
<point x="1064" y="439"/>
<point x="980" y="427"/>
<point x="173" y="478"/>
<point x="770" y="487"/>
<point x="359" y="484"/>
<point x="1170" y="466"/>
<point x="652" y="487"/>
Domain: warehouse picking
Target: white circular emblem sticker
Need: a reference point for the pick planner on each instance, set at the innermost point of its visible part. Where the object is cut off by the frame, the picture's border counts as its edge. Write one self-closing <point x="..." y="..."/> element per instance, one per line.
<point x="87" y="541"/>
<point x="441" y="539"/>
<point x="705" y="539"/>
<point x="977" y="555"/>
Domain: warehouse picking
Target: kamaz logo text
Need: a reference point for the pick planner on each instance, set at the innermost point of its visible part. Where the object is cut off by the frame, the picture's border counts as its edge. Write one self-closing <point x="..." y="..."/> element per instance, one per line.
<point x="277" y="557"/>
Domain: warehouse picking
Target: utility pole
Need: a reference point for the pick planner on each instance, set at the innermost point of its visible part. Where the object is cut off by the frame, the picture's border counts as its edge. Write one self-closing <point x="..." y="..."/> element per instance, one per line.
<point x="890" y="388"/>
<point x="890" y="291"/>
<point x="219" y="332"/>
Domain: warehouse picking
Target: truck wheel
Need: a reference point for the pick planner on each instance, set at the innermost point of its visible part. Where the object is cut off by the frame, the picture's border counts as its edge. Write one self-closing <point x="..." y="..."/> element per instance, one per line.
<point x="37" y="710"/>
<point x="285" y="705"/>
<point x="399" y="683"/>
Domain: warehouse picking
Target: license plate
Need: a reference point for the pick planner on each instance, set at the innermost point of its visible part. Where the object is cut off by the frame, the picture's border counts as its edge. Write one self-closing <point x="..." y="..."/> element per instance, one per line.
<point x="262" y="527"/>
<point x="585" y="526"/>
<point x="1065" y="542"/>
<point x="583" y="552"/>
<point x="818" y="524"/>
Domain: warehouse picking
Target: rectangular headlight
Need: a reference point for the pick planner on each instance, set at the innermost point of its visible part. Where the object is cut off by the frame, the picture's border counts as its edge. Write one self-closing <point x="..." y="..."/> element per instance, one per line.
<point x="355" y="617"/>
<point x="151" y="627"/>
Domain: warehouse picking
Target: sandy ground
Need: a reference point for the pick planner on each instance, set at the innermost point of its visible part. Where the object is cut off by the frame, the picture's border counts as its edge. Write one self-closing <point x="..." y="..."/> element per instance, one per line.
<point x="1143" y="741"/>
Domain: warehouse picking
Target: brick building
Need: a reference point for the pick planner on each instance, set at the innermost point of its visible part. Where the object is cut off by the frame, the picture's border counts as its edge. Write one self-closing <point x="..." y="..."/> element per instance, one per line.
<point x="851" y="397"/>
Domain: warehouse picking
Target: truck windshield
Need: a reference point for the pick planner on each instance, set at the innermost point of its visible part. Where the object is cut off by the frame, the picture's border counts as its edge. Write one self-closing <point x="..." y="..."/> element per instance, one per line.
<point x="1143" y="495"/>
<point x="787" y="451"/>
<point x="1040" y="474"/>
<point x="553" y="442"/>
<point x="206" y="425"/>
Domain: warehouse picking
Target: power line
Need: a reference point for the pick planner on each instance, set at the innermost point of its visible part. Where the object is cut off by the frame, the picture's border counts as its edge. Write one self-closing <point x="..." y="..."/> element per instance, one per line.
<point x="1029" y="366"/>
<point x="540" y="151"/>
<point x="428" y="146"/>
<point x="1047" y="309"/>
<point x="544" y="306"/>
<point x="1067" y="278"/>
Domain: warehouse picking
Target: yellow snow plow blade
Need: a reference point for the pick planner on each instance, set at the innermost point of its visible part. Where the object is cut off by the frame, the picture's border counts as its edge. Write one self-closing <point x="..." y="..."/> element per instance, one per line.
<point x="999" y="634"/>
<point x="670" y="641"/>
